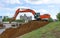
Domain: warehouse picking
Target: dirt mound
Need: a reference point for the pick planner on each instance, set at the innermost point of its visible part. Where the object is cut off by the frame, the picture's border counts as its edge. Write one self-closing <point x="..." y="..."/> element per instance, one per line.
<point x="1" y="26"/>
<point x="22" y="29"/>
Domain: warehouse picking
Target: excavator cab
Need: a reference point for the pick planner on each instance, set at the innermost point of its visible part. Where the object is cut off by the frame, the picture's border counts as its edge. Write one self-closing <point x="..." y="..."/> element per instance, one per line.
<point x="37" y="16"/>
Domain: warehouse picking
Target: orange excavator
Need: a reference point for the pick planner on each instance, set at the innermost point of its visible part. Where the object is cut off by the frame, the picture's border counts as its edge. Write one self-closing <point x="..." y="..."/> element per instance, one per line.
<point x="37" y="16"/>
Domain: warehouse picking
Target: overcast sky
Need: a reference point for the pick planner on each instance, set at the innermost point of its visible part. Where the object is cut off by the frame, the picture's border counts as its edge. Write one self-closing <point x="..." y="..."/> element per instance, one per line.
<point x="8" y="7"/>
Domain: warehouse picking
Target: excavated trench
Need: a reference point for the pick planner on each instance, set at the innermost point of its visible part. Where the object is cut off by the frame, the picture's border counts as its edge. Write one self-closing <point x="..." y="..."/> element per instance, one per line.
<point x="22" y="29"/>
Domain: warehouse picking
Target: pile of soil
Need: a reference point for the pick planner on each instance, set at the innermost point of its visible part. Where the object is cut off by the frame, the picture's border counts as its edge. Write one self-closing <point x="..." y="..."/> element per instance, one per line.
<point x="22" y="29"/>
<point x="1" y="26"/>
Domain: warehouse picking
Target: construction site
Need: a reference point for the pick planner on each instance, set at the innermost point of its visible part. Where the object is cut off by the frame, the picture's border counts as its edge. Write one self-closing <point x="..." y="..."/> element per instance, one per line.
<point x="18" y="29"/>
<point x="29" y="19"/>
<point x="22" y="29"/>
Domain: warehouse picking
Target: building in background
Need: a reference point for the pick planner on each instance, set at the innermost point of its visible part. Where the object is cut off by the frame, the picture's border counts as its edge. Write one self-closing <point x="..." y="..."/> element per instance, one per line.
<point x="25" y="18"/>
<point x="1" y="19"/>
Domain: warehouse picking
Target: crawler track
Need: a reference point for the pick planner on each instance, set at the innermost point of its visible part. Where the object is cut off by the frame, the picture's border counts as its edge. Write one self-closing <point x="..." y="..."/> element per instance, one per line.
<point x="22" y="29"/>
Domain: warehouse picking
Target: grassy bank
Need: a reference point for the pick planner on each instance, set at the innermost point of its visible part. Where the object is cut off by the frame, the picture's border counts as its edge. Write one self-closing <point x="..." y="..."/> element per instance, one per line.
<point x="44" y="32"/>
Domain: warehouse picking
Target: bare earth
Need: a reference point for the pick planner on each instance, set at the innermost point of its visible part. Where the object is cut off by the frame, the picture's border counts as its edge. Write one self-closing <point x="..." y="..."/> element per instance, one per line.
<point x="22" y="29"/>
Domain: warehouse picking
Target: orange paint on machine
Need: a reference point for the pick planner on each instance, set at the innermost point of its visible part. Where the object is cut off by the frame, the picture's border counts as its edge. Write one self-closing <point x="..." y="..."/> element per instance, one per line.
<point x="45" y="16"/>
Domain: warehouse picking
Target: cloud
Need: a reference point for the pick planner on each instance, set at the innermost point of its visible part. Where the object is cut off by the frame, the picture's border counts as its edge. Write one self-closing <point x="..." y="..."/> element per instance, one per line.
<point x="55" y="1"/>
<point x="11" y="1"/>
<point x="1" y="5"/>
<point x="51" y="6"/>
<point x="11" y="11"/>
<point x="5" y="11"/>
<point x="36" y="1"/>
<point x="53" y="14"/>
<point x="43" y="1"/>
<point x="21" y="7"/>
<point x="43" y="11"/>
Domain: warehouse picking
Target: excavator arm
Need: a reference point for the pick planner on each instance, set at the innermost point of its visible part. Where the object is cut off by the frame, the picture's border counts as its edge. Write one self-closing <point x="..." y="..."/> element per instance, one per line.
<point x="20" y="11"/>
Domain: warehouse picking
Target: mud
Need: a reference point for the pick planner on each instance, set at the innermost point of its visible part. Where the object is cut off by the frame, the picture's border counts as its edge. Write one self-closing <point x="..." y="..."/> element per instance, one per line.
<point x="22" y="29"/>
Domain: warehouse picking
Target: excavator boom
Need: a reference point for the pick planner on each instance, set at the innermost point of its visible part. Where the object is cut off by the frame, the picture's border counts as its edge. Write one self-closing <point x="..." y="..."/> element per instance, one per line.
<point x="20" y="11"/>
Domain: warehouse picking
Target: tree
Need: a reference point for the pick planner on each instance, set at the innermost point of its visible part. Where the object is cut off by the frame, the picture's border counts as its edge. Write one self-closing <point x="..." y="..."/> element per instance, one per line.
<point x="50" y="20"/>
<point x="19" y="20"/>
<point x="6" y="18"/>
<point x="58" y="16"/>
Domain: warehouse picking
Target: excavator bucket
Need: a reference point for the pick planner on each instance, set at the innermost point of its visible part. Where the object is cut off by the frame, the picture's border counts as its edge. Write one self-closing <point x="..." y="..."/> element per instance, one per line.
<point x="12" y="19"/>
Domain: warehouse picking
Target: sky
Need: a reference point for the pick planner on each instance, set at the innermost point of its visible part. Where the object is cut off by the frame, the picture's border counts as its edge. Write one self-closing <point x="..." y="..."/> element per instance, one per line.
<point x="8" y="7"/>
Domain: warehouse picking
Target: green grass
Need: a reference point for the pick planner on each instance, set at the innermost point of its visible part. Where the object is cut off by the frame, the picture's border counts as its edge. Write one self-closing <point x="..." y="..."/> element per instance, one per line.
<point x="43" y="32"/>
